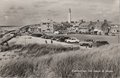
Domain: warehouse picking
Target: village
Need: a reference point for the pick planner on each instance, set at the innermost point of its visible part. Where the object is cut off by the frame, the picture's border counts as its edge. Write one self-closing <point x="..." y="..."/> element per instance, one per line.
<point x="74" y="27"/>
<point x="68" y="30"/>
<point x="98" y="27"/>
<point x="59" y="39"/>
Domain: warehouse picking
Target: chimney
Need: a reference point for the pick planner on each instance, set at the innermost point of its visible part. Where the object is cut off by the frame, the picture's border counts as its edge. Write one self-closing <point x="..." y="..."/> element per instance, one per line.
<point x="98" y="20"/>
<point x="91" y="22"/>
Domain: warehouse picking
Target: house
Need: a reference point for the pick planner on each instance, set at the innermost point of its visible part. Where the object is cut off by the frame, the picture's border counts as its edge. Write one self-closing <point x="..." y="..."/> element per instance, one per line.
<point x="97" y="28"/>
<point x="114" y="29"/>
<point x="72" y="30"/>
<point x="43" y="27"/>
<point x="91" y="27"/>
<point x="103" y="27"/>
<point x="84" y="27"/>
<point x="98" y="31"/>
<point x="47" y="27"/>
<point x="35" y="28"/>
<point x="83" y="30"/>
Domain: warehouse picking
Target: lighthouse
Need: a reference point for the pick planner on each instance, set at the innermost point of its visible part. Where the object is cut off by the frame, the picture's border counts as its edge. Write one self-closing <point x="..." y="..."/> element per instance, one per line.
<point x="69" y="15"/>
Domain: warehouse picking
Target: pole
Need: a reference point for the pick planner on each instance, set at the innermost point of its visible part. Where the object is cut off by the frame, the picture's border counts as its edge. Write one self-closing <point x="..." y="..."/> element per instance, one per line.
<point x="119" y="34"/>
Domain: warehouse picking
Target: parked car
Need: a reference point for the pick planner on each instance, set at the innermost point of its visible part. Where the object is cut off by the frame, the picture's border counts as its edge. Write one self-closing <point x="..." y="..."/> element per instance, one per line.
<point x="55" y="38"/>
<point x="72" y="40"/>
<point x="62" y="39"/>
<point x="100" y="43"/>
<point x="46" y="37"/>
<point x="87" y="43"/>
<point x="37" y="35"/>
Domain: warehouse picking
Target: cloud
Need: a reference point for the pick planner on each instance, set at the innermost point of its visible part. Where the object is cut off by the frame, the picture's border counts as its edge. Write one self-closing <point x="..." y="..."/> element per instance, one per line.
<point x="21" y="12"/>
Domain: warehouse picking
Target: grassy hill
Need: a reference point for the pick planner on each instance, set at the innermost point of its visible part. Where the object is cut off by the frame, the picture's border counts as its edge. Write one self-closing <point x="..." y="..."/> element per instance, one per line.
<point x="61" y="64"/>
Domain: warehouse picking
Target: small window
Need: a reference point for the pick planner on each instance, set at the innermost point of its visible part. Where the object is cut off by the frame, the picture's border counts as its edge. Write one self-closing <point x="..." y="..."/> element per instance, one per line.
<point x="44" y="23"/>
<point x="48" y="29"/>
<point x="39" y="29"/>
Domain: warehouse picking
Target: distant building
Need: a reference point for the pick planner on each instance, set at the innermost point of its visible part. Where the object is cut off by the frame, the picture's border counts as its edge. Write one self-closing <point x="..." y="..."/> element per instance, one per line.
<point x="91" y="27"/>
<point x="97" y="28"/>
<point x="72" y="30"/>
<point x="47" y="27"/>
<point x="103" y="27"/>
<point x="74" y="27"/>
<point x="84" y="27"/>
<point x="114" y="29"/>
<point x="44" y="27"/>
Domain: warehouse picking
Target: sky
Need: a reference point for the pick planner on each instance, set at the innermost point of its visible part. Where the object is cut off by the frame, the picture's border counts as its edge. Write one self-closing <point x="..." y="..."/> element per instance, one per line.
<point x="23" y="12"/>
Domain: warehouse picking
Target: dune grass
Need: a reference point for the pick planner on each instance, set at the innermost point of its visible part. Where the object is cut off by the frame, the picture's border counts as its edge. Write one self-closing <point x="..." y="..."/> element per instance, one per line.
<point x="43" y="49"/>
<point x="60" y="65"/>
<point x="17" y="68"/>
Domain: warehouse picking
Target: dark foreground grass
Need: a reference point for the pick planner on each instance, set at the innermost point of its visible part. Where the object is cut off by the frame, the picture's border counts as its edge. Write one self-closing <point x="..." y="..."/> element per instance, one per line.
<point x="61" y="65"/>
<point x="17" y="68"/>
<point x="43" y="49"/>
<point x="39" y="49"/>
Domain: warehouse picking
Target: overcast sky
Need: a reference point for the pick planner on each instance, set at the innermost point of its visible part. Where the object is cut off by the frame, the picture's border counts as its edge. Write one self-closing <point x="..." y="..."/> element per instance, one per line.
<point x="21" y="12"/>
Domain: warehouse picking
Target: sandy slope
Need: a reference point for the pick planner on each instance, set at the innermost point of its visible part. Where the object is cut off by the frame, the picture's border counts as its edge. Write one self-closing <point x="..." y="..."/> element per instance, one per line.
<point x="30" y="40"/>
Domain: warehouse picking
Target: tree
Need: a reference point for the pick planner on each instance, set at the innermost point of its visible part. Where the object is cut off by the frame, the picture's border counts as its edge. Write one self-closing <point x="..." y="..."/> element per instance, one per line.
<point x="61" y="26"/>
<point x="105" y="27"/>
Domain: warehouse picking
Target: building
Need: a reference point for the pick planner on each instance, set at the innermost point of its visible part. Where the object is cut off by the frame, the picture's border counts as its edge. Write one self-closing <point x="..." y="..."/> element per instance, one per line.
<point x="36" y="28"/>
<point x="47" y="27"/>
<point x="44" y="27"/>
<point x="91" y="27"/>
<point x="97" y="28"/>
<point x="102" y="27"/>
<point x="72" y="30"/>
<point x="114" y="29"/>
<point x="84" y="27"/>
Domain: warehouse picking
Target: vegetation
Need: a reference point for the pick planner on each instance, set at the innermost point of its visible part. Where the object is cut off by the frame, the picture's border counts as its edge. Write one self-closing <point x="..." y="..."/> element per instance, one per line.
<point x="62" y="26"/>
<point x="60" y="65"/>
<point x="39" y="49"/>
<point x="18" y="68"/>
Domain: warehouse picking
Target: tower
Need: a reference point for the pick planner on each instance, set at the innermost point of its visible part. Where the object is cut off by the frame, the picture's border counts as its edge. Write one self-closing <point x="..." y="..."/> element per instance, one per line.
<point x="69" y="15"/>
